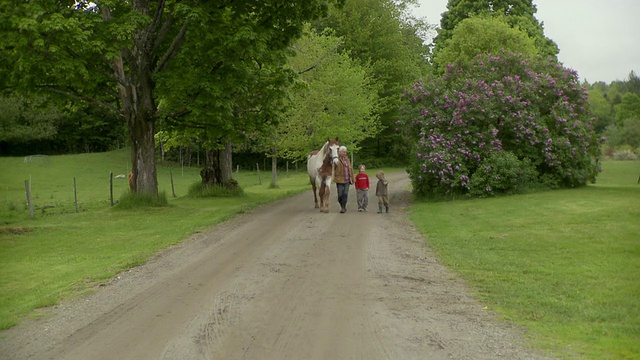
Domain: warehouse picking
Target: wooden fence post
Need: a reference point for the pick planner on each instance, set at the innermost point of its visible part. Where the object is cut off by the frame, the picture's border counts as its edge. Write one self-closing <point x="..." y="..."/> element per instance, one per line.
<point x="75" y="193"/>
<point x="111" y="187"/>
<point x="258" y="169"/>
<point x="173" y="190"/>
<point x="28" y="188"/>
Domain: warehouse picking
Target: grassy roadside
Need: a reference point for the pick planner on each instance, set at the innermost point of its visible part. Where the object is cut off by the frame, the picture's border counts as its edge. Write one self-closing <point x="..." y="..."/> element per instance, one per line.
<point x="565" y="264"/>
<point x="61" y="253"/>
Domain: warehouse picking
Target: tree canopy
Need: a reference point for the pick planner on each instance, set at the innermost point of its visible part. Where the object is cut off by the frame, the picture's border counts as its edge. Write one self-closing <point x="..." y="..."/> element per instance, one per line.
<point x="519" y="14"/>
<point x="334" y="98"/>
<point x="379" y="36"/>
<point x="119" y="54"/>
<point x="24" y="121"/>
<point x="483" y="35"/>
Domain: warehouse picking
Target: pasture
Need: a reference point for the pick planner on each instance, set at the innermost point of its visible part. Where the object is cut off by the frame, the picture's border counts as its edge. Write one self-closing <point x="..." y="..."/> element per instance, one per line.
<point x="565" y="264"/>
<point x="61" y="253"/>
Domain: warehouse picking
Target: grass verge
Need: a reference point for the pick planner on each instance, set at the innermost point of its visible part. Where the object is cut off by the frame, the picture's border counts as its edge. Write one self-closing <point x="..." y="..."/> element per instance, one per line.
<point x="564" y="264"/>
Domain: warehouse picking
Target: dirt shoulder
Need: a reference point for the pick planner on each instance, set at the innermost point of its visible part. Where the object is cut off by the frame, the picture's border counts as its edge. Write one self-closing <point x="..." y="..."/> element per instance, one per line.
<point x="281" y="282"/>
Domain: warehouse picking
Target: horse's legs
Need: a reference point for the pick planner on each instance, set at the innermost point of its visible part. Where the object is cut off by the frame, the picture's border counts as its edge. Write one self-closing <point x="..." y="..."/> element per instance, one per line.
<point x="315" y="197"/>
<point x="322" y="196"/>
<point x="327" y="196"/>
<point x="325" y="191"/>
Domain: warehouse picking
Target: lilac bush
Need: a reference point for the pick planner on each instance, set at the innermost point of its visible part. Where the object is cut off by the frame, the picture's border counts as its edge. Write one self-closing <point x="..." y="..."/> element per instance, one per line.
<point x="500" y="124"/>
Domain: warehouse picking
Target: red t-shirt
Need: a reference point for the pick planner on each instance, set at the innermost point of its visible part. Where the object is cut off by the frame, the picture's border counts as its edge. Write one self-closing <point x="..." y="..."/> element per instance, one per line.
<point x="362" y="181"/>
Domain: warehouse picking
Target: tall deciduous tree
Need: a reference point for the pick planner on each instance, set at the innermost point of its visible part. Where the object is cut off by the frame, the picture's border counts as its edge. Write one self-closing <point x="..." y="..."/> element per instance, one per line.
<point x="628" y="108"/>
<point x="335" y="98"/>
<point x="112" y="53"/>
<point x="483" y="35"/>
<point x="242" y="92"/>
<point x="379" y="35"/>
<point x="601" y="109"/>
<point x="518" y="13"/>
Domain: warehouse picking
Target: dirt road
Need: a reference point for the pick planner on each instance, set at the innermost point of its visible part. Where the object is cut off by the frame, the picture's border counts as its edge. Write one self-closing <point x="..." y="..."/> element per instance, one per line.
<point x="281" y="282"/>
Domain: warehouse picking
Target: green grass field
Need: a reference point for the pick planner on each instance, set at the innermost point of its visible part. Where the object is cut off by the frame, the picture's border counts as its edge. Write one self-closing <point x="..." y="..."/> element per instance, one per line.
<point x="61" y="253"/>
<point x="565" y="264"/>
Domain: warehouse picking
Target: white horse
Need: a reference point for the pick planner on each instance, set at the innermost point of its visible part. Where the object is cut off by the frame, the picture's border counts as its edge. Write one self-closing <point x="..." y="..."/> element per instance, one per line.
<point x="320" y="169"/>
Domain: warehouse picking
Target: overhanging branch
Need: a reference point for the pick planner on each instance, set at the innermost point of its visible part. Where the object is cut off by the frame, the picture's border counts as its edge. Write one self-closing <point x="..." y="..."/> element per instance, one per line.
<point x="74" y="95"/>
<point x="173" y="49"/>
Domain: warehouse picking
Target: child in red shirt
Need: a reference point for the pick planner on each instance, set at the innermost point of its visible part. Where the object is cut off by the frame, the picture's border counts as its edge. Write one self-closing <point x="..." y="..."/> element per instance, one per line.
<point x="362" y="188"/>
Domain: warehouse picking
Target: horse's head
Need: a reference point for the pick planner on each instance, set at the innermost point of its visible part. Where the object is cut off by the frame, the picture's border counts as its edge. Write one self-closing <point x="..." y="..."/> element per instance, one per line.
<point x="333" y="147"/>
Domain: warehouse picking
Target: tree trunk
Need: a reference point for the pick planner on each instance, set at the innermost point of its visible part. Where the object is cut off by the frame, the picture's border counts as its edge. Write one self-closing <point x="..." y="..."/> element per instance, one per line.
<point x="139" y="110"/>
<point x="211" y="174"/>
<point x="143" y="155"/>
<point x="274" y="168"/>
<point x="226" y="162"/>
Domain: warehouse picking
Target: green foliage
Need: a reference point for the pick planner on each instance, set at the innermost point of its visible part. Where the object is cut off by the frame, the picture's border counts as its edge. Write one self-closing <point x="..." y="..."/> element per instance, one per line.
<point x="520" y="14"/>
<point x="628" y="108"/>
<point x="230" y="77"/>
<point x="626" y="134"/>
<point x="631" y="85"/>
<point x="334" y="98"/>
<point x="25" y="120"/>
<point x="483" y="35"/>
<point x="131" y="200"/>
<point x="202" y="61"/>
<point x="502" y="173"/>
<point x="601" y="109"/>
<point x="375" y="34"/>
<point x="616" y="108"/>
<point x="532" y="108"/>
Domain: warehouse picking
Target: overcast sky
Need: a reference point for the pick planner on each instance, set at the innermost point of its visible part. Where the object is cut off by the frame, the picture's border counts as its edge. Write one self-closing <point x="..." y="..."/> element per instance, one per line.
<point x="597" y="38"/>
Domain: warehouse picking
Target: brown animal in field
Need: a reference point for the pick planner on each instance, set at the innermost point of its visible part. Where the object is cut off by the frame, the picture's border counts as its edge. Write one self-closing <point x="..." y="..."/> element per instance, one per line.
<point x="131" y="181"/>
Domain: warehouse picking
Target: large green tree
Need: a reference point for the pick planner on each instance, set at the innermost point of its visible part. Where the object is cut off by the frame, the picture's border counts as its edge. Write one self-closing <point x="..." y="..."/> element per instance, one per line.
<point x="518" y="14"/>
<point x="112" y="53"/>
<point x="27" y="120"/>
<point x="334" y="98"/>
<point x="483" y="35"/>
<point x="624" y="135"/>
<point x="601" y="109"/>
<point x="242" y="93"/>
<point x="386" y="41"/>
<point x="628" y="108"/>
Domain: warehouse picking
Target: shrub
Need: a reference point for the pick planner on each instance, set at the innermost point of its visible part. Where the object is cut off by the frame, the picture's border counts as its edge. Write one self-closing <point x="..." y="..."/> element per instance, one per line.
<point x="625" y="154"/>
<point x="131" y="200"/>
<point x="231" y="189"/>
<point x="530" y="108"/>
<point x="502" y="173"/>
